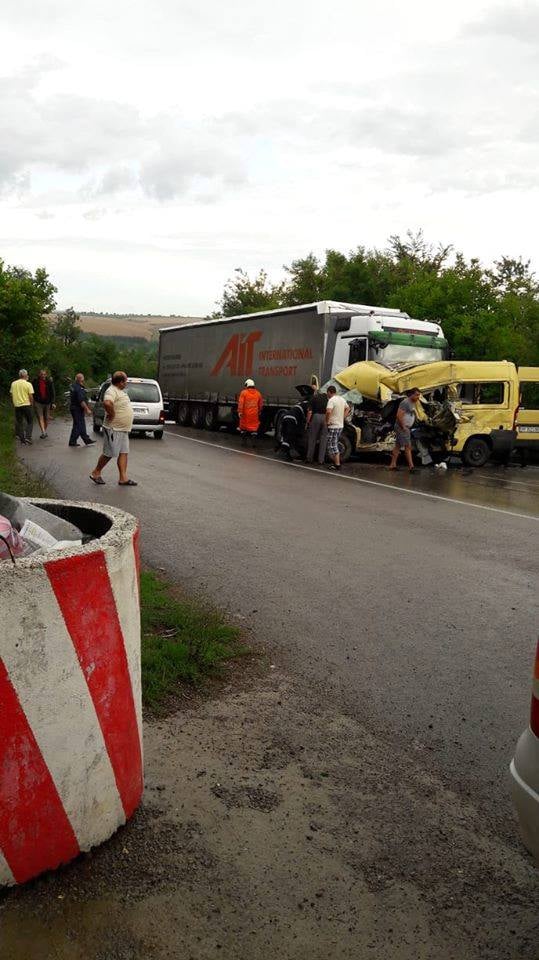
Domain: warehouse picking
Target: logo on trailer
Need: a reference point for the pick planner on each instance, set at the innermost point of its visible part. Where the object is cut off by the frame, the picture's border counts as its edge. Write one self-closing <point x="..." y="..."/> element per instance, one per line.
<point x="238" y="354"/>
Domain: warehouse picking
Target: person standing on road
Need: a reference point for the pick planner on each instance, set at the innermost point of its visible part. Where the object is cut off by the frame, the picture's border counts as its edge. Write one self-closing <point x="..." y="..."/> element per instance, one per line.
<point x="79" y="409"/>
<point x="406" y="416"/>
<point x="22" y="396"/>
<point x="336" y="412"/>
<point x="317" y="429"/>
<point x="250" y="403"/>
<point x="117" y="424"/>
<point x="44" y="400"/>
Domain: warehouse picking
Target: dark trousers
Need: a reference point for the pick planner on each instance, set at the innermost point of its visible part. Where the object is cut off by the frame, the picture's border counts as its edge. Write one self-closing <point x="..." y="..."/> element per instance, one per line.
<point x="317" y="433"/>
<point x="24" y="422"/>
<point x="79" y="426"/>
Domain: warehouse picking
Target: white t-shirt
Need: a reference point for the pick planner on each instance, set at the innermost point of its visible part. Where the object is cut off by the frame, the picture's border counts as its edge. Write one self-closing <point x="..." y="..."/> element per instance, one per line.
<point x="123" y="411"/>
<point x="336" y="407"/>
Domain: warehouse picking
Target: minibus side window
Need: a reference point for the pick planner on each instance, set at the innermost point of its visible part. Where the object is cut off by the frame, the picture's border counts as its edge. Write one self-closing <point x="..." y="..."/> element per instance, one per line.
<point x="482" y="393"/>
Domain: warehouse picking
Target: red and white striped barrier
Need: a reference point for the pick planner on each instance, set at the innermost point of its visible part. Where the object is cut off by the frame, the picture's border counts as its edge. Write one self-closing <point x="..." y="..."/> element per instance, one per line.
<point x="70" y="699"/>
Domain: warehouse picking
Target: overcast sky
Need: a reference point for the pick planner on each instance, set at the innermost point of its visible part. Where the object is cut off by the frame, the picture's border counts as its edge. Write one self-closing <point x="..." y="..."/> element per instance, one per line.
<point x="149" y="147"/>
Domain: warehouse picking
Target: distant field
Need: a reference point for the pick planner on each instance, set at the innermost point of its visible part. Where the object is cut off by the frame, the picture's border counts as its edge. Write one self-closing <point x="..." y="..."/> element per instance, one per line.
<point x="129" y="325"/>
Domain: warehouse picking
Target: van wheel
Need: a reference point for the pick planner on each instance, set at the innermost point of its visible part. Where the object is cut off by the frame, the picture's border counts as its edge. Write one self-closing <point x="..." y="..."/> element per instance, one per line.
<point x="96" y="428"/>
<point x="197" y="416"/>
<point x="476" y="452"/>
<point x="158" y="434"/>
<point x="345" y="447"/>
<point x="184" y="415"/>
<point x="211" y="419"/>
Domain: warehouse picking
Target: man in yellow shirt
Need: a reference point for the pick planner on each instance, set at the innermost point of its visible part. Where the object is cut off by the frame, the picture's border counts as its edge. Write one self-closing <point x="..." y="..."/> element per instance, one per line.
<point x="22" y="395"/>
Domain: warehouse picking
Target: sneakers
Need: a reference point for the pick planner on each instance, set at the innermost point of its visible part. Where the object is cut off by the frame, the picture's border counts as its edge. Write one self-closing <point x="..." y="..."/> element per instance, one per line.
<point x="333" y="466"/>
<point x="43" y="436"/>
<point x="88" y="442"/>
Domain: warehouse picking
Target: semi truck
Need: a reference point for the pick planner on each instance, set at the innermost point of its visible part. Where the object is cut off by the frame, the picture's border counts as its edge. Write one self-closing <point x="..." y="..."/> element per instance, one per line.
<point x="202" y="367"/>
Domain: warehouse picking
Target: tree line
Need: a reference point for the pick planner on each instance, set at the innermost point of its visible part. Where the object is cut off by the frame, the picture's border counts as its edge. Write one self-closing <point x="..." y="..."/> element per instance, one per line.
<point x="32" y="338"/>
<point x="487" y="313"/>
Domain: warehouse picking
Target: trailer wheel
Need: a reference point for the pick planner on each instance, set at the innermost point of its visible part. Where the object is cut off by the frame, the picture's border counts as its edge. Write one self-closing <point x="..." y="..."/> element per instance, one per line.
<point x="345" y="447"/>
<point x="197" y="416"/>
<point x="184" y="414"/>
<point x="476" y="452"/>
<point x="211" y="418"/>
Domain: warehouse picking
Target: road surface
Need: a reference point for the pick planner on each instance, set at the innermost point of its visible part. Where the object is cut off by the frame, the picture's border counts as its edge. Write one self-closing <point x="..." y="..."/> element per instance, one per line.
<point x="407" y="602"/>
<point x="421" y="610"/>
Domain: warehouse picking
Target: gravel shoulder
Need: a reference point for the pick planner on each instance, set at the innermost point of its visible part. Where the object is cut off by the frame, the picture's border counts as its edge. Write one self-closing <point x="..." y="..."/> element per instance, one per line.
<point x="275" y="824"/>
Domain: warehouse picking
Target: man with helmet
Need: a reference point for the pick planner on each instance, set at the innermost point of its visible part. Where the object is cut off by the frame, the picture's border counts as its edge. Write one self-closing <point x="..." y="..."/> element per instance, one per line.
<point x="250" y="405"/>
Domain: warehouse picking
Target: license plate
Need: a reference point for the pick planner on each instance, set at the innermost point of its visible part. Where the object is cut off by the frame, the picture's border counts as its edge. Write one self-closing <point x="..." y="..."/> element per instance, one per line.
<point x="140" y="410"/>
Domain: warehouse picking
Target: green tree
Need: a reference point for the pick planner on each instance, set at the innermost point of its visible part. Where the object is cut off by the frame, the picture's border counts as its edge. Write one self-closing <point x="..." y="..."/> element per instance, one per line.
<point x="25" y="300"/>
<point x="305" y="281"/>
<point x="243" y="295"/>
<point x="487" y="314"/>
<point x="97" y="357"/>
<point x="67" y="327"/>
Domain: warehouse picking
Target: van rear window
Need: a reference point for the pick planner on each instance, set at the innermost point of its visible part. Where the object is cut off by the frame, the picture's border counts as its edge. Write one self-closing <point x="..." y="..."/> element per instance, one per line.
<point x="143" y="392"/>
<point x="529" y="396"/>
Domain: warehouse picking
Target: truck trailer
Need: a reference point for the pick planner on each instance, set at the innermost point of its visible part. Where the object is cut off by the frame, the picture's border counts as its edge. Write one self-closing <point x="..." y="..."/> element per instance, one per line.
<point x="202" y="367"/>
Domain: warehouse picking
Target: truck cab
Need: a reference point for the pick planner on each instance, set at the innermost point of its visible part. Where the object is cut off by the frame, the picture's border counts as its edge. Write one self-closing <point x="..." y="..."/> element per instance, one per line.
<point x="391" y="339"/>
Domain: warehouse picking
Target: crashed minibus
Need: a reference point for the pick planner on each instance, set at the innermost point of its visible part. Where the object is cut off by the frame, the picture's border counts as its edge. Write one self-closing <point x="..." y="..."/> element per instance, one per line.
<point x="467" y="408"/>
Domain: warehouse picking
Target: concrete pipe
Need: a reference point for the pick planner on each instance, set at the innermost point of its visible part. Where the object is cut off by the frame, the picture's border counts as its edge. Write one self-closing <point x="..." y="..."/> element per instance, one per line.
<point x="70" y="694"/>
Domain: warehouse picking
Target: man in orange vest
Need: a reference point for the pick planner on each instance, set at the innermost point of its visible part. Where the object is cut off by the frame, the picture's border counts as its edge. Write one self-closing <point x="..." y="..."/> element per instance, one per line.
<point x="250" y="405"/>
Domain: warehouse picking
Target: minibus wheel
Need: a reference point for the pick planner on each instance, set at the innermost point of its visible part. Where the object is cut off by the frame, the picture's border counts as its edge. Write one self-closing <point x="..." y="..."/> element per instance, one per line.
<point x="476" y="452"/>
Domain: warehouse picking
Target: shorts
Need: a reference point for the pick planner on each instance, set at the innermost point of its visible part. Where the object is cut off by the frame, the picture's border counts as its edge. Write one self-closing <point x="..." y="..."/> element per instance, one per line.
<point x="403" y="437"/>
<point x="333" y="440"/>
<point x="115" y="442"/>
<point x="42" y="409"/>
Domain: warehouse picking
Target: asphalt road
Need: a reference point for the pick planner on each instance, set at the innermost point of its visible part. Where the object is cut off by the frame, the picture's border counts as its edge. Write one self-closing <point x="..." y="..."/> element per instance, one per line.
<point x="412" y="599"/>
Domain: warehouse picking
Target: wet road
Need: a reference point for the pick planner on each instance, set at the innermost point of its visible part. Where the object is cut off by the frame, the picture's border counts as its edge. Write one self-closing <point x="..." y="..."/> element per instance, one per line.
<point x="412" y="599"/>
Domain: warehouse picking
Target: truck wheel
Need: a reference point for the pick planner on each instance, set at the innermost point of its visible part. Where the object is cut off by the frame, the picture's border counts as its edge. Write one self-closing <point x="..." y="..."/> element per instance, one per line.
<point x="211" y="418"/>
<point x="476" y="452"/>
<point x="197" y="416"/>
<point x="345" y="447"/>
<point x="184" y="415"/>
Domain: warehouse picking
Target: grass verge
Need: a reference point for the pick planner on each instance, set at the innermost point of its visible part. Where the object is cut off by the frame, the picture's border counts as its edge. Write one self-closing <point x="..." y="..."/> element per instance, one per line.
<point x="182" y="641"/>
<point x="14" y="477"/>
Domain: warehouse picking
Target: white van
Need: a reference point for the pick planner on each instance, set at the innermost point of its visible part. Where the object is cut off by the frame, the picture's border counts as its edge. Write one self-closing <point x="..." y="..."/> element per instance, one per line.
<point x="147" y="402"/>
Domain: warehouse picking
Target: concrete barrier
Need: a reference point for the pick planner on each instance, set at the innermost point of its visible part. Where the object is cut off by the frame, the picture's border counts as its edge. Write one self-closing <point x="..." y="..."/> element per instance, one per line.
<point x="70" y="694"/>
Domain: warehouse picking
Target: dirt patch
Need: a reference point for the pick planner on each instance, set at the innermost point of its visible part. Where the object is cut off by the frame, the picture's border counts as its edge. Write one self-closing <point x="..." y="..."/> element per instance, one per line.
<point x="272" y="826"/>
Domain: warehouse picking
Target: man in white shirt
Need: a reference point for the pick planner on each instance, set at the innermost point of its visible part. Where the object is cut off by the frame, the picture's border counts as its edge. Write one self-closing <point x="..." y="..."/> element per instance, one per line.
<point x="336" y="412"/>
<point x="116" y="426"/>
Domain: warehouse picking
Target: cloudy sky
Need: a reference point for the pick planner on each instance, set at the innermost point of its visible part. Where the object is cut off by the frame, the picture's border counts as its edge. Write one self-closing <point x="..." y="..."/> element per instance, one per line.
<point x="149" y="147"/>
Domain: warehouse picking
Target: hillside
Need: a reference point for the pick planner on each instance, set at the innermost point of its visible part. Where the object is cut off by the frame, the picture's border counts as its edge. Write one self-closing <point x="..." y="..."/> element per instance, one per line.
<point x="130" y="325"/>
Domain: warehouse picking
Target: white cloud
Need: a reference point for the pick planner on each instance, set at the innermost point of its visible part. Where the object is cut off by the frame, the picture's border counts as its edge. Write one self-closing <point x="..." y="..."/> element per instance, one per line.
<point x="211" y="135"/>
<point x="516" y="20"/>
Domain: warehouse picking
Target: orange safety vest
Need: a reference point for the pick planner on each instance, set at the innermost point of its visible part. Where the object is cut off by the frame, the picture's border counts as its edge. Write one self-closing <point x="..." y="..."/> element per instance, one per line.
<point x="250" y="404"/>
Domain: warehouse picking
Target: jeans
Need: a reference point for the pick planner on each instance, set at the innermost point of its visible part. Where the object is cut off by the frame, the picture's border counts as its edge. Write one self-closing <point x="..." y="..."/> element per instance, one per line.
<point x="24" y="422"/>
<point x="79" y="426"/>
<point x="317" y="431"/>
